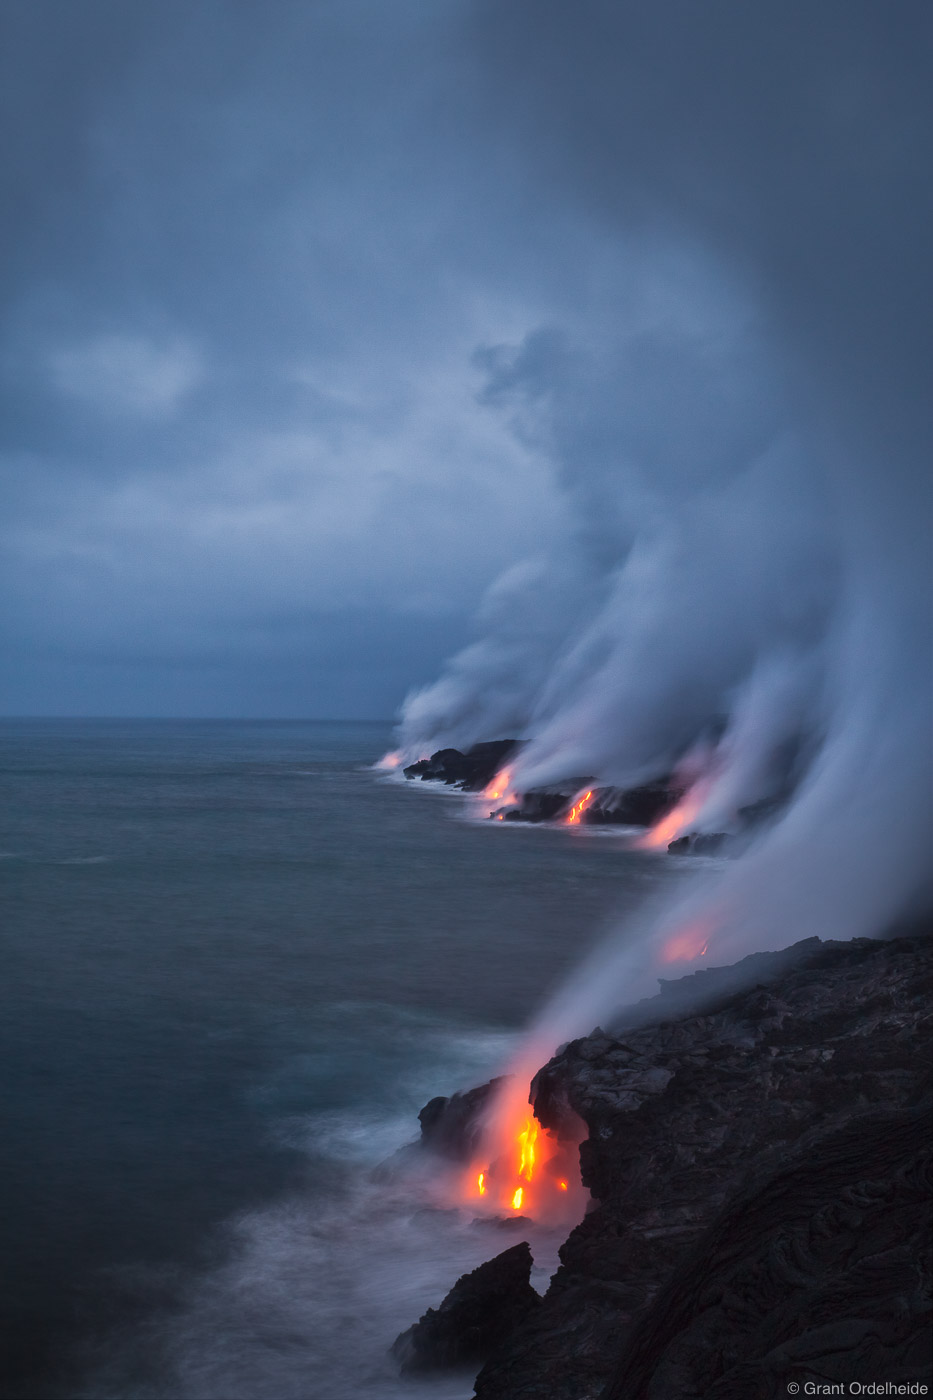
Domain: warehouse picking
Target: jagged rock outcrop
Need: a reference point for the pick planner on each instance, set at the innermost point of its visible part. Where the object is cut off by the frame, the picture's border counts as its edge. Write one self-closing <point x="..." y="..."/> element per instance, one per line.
<point x="756" y="1158"/>
<point x="813" y="1274"/>
<point x="452" y="1127"/>
<point x="470" y="771"/>
<point x="481" y="1309"/>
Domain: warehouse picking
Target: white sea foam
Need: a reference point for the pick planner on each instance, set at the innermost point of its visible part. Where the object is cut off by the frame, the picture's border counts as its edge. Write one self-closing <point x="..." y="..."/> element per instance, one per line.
<point x="310" y="1298"/>
<point x="313" y="1289"/>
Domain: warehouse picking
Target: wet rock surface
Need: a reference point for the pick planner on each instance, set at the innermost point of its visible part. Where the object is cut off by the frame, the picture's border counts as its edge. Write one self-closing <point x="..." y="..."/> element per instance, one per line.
<point x="758" y="1155"/>
<point x="481" y="1309"/>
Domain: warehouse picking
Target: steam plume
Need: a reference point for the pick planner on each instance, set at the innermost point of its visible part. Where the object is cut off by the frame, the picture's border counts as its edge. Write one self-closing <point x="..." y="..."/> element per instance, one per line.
<point x="747" y="474"/>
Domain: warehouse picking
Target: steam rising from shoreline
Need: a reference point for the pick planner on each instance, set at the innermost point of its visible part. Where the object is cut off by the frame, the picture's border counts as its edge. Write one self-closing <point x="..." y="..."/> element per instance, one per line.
<point x="744" y="582"/>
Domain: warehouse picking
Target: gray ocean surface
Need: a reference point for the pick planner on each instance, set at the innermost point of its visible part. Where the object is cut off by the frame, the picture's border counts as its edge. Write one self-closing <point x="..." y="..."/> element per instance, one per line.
<point x="237" y="962"/>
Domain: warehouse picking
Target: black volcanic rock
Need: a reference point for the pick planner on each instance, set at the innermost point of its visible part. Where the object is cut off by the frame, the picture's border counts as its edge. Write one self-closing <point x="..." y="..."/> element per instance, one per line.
<point x="452" y="1127"/>
<point x="480" y="1311"/>
<point x="486" y="761"/>
<point x="755" y="1158"/>
<point x="641" y="806"/>
<point x="813" y="1274"/>
<point x="698" y="843"/>
<point x="474" y="770"/>
<point x="471" y="771"/>
<point x="444" y="766"/>
<point x="537" y="806"/>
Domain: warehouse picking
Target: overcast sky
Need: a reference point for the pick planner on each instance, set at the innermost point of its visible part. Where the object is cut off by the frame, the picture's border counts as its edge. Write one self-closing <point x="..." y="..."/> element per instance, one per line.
<point x="268" y="269"/>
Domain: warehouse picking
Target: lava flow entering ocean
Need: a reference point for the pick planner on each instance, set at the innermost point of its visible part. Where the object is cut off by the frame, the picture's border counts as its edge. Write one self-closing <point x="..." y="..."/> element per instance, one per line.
<point x="579" y="807"/>
<point x="532" y="1171"/>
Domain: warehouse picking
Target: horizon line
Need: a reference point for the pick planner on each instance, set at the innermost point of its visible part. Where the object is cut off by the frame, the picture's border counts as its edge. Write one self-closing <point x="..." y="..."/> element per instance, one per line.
<point x="204" y="719"/>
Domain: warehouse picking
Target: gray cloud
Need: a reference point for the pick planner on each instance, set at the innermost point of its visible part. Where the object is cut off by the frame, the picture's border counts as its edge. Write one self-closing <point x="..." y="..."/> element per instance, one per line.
<point x="343" y="311"/>
<point x="245" y="289"/>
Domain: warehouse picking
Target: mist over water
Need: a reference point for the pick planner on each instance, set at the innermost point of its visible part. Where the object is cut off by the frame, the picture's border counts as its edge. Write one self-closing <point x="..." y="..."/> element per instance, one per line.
<point x="238" y="962"/>
<point x="309" y="1294"/>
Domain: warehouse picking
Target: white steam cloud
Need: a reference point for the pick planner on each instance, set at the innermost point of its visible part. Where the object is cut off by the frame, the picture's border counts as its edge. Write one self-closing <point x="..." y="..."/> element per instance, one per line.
<point x="747" y="479"/>
<point x="690" y="596"/>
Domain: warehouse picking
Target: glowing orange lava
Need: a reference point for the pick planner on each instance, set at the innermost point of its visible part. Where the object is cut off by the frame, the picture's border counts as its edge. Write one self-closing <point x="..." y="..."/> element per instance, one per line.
<point x="526" y="1145"/>
<point x="573" y="816"/>
<point x="531" y="1171"/>
<point x="673" y="824"/>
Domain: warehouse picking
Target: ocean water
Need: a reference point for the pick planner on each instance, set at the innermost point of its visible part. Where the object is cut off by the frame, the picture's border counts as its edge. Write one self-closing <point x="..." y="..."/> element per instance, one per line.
<point x="237" y="961"/>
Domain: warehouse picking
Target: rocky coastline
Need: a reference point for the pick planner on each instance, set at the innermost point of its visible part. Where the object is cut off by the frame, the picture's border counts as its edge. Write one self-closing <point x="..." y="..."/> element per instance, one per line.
<point x="642" y="806"/>
<point x="759" y="1162"/>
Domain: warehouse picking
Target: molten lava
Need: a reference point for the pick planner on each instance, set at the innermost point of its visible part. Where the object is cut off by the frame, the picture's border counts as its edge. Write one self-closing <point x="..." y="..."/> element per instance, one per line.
<point x="531" y="1171"/>
<point x="526" y="1143"/>
<point x="579" y="807"/>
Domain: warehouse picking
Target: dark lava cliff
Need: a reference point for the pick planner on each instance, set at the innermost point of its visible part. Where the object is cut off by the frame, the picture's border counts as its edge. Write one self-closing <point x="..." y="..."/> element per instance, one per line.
<point x="760" y="1165"/>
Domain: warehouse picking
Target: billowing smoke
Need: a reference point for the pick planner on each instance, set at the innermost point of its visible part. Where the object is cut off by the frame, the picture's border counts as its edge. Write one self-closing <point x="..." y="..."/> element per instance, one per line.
<point x="744" y="586"/>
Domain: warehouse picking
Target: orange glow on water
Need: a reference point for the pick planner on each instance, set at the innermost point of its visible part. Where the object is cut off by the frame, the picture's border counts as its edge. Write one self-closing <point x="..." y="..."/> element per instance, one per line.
<point x="573" y="816"/>
<point x="390" y="760"/>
